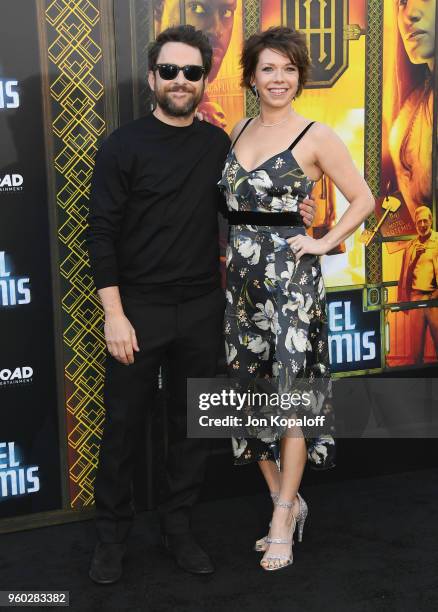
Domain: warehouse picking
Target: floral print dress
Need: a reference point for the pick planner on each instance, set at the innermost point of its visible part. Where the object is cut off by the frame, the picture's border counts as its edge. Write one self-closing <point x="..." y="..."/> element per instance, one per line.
<point x="275" y="320"/>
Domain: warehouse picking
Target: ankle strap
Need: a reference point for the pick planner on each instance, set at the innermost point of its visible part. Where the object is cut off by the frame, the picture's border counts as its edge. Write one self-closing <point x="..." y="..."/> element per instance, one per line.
<point x="284" y="504"/>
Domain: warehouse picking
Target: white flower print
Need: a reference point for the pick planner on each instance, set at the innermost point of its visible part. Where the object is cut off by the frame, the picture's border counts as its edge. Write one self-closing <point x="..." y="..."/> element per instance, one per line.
<point x="266" y="285"/>
<point x="316" y="401"/>
<point x="302" y="305"/>
<point x="228" y="255"/>
<point x="260" y="181"/>
<point x="270" y="272"/>
<point x="230" y="351"/>
<point x="239" y="445"/>
<point x="290" y="203"/>
<point x="279" y="243"/>
<point x="224" y="171"/>
<point x="241" y="315"/>
<point x="303" y="312"/>
<point x="267" y="318"/>
<point x="318" y="453"/>
<point x="232" y="201"/>
<point x="249" y="249"/>
<point x="278" y="163"/>
<point x="295" y="302"/>
<point x="321" y="288"/>
<point x="297" y="340"/>
<point x="257" y="345"/>
<point x="294" y="365"/>
<point x="289" y="273"/>
<point x="276" y="204"/>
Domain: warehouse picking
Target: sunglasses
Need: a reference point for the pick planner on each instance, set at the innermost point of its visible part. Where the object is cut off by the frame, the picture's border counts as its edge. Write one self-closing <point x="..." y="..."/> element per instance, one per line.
<point x="168" y="72"/>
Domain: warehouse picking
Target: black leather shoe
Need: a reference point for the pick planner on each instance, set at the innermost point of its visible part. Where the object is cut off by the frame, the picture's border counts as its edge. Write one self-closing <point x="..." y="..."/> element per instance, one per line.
<point x="188" y="554"/>
<point x="106" y="564"/>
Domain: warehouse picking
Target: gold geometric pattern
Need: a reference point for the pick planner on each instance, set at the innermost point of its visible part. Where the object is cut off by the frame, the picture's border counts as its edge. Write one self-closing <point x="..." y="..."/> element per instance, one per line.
<point x="143" y="32"/>
<point x="251" y="25"/>
<point x="373" y="141"/>
<point x="76" y="92"/>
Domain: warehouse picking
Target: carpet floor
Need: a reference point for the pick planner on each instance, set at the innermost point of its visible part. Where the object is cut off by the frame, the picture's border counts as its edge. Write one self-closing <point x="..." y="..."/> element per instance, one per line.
<point x="369" y="545"/>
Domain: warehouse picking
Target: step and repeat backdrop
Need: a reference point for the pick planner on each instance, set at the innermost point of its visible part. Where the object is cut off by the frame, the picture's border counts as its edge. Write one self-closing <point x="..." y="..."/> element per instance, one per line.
<point x="70" y="73"/>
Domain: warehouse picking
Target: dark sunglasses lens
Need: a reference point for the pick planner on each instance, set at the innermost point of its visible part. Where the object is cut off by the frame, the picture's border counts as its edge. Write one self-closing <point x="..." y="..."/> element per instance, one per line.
<point x="168" y="72"/>
<point x="193" y="73"/>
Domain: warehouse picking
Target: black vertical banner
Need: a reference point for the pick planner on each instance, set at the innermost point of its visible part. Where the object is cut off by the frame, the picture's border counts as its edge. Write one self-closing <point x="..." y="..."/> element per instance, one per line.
<point x="29" y="439"/>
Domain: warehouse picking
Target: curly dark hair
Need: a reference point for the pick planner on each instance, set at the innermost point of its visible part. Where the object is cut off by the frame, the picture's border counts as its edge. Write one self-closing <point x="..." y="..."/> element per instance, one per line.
<point x="186" y="34"/>
<point x="287" y="41"/>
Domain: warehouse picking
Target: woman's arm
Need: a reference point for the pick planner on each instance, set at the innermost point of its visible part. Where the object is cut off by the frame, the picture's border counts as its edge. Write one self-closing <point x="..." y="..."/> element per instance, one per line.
<point x="333" y="158"/>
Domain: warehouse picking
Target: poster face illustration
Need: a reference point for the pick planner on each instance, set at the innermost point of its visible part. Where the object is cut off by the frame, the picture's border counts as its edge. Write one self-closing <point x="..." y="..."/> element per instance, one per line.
<point x="221" y="20"/>
<point x="403" y="230"/>
<point x="409" y="242"/>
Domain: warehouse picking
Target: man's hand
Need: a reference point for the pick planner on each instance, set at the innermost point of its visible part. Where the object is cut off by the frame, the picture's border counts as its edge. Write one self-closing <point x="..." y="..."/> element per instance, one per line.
<point x="120" y="338"/>
<point x="308" y="210"/>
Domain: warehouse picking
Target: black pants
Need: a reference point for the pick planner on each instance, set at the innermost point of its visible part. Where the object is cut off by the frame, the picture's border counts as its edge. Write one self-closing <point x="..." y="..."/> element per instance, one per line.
<point x="188" y="337"/>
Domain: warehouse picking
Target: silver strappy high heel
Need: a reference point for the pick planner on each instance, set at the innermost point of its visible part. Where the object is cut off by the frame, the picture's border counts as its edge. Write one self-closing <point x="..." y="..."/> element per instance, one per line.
<point x="297" y="521"/>
<point x="260" y="545"/>
<point x="301" y="517"/>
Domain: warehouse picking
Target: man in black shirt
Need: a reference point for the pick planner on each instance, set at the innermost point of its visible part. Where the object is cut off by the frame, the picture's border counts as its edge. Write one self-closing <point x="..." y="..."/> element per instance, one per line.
<point x="153" y="244"/>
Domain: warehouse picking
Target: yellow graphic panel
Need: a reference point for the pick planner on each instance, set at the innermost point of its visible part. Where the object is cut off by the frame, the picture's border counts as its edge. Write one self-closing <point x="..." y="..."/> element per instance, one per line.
<point x="76" y="91"/>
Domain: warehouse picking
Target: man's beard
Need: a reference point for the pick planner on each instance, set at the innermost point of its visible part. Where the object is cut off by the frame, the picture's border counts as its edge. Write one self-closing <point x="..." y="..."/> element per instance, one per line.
<point x="164" y="100"/>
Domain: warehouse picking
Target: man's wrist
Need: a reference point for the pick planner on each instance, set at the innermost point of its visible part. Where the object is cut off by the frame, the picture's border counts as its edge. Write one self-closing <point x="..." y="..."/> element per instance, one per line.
<point x="113" y="310"/>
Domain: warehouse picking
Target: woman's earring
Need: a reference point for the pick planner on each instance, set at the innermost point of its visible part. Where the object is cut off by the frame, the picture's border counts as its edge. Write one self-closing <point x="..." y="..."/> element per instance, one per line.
<point x="255" y="91"/>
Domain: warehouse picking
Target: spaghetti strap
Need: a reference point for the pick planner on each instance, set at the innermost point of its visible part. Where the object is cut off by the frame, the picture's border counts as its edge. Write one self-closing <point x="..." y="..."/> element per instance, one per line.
<point x="240" y="133"/>
<point x="300" y="135"/>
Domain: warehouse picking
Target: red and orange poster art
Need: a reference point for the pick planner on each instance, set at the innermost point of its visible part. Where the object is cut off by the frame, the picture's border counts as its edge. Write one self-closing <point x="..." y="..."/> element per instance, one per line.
<point x="409" y="265"/>
<point x="224" y="102"/>
<point x="336" y="32"/>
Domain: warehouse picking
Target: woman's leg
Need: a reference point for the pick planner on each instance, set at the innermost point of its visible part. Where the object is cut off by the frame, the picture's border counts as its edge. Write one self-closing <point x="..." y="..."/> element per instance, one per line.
<point x="293" y="460"/>
<point x="272" y="477"/>
<point x="271" y="474"/>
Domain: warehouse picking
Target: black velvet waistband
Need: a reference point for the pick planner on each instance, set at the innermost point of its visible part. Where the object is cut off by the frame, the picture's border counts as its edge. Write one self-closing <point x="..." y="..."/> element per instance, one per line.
<point x="259" y="218"/>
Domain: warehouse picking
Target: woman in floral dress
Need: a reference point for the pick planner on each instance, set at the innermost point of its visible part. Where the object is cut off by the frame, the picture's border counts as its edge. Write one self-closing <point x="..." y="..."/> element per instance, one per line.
<point x="275" y="321"/>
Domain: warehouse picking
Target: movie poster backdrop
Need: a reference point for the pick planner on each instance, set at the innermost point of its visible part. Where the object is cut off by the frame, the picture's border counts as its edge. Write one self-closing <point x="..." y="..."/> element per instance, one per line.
<point x="388" y="102"/>
<point x="30" y="478"/>
<point x="372" y="82"/>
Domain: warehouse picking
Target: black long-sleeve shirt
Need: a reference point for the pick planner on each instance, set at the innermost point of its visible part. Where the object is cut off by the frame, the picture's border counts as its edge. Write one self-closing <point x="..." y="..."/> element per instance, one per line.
<point x="153" y="227"/>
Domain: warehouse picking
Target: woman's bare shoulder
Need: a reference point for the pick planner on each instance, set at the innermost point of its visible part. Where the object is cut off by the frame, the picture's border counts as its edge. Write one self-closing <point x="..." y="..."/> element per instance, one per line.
<point x="324" y="135"/>
<point x="236" y="129"/>
<point x="321" y="130"/>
